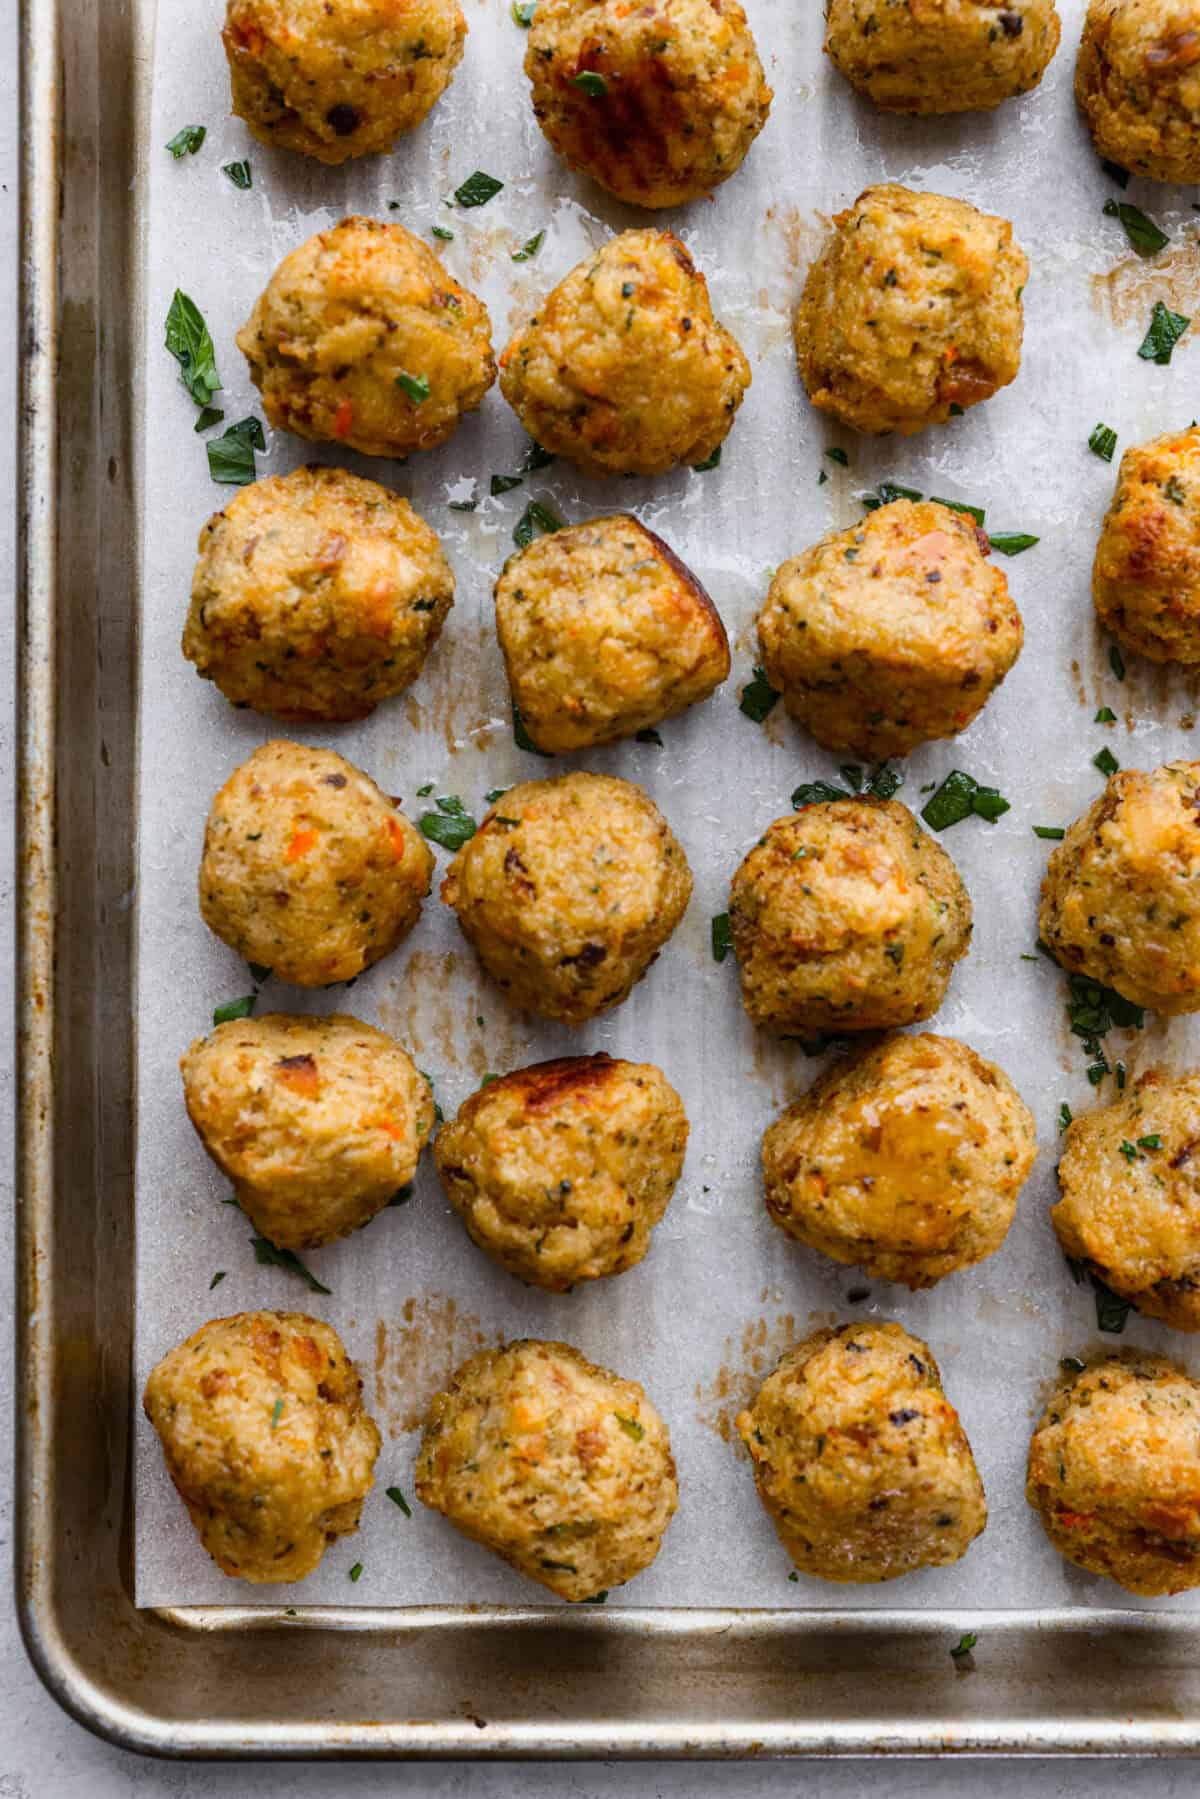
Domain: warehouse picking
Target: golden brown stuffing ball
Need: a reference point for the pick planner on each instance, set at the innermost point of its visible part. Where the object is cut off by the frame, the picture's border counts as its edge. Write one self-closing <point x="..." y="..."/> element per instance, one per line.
<point x="859" y="1457"/>
<point x="1119" y="897"/>
<point x="1137" y="83"/>
<point x="308" y="869"/>
<point x="262" y="1426"/>
<point x="1146" y="577"/>
<point x="904" y="1159"/>
<point x="933" y="56"/>
<point x="912" y="308"/>
<point x="846" y="916"/>
<point x="1112" y="1473"/>
<point x="316" y="595"/>
<point x="339" y="81"/>
<point x="1130" y="1206"/>
<point x="892" y="633"/>
<point x="659" y="103"/>
<point x="567" y="892"/>
<point x="360" y="337"/>
<point x="604" y="632"/>
<point x="624" y="370"/>
<point x="557" y="1465"/>
<point x="318" y="1122"/>
<point x="561" y="1171"/>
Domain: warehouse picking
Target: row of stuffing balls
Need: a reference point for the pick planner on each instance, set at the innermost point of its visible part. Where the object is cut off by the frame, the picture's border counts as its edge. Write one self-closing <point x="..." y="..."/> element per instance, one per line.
<point x="660" y="102"/>
<point x="319" y="594"/>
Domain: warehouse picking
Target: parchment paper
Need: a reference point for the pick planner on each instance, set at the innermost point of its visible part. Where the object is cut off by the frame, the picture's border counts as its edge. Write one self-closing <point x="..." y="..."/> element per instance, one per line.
<point x="722" y="1292"/>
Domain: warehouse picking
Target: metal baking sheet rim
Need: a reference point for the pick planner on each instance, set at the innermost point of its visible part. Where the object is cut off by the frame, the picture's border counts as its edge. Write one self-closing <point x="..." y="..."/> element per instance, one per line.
<point x="100" y="1670"/>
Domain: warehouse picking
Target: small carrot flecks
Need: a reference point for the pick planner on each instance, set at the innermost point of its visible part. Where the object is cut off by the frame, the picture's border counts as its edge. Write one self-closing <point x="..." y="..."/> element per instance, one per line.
<point x="303" y="840"/>
<point x="343" y="418"/>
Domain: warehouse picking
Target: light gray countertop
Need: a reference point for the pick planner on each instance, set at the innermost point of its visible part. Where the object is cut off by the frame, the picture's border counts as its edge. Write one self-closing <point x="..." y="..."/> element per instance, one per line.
<point x="45" y="1755"/>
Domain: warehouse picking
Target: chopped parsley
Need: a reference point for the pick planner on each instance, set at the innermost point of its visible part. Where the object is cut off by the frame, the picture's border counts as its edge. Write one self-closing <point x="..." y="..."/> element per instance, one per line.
<point x="1143" y="234"/>
<point x="216" y="1280"/>
<point x="960" y="795"/>
<point x="882" y="782"/>
<point x="1115" y="172"/>
<point x="1105" y="716"/>
<point x="239" y="173"/>
<point x="401" y="1196"/>
<point x="836" y="454"/>
<point x="415" y="386"/>
<point x="231" y="456"/>
<point x="189" y="342"/>
<point x="440" y="231"/>
<point x="713" y="461"/>
<point x="206" y="418"/>
<point x="1116" y="661"/>
<point x="722" y="936"/>
<point x="630" y="1426"/>
<point x="976" y="512"/>
<point x="536" y="458"/>
<point x="269" y="1255"/>
<point x="397" y="1498"/>
<point x="649" y="735"/>
<point x="1111" y="1310"/>
<point x="356" y="1571"/>
<point x="530" y="247"/>
<point x="276" y="1413"/>
<point x="522" y="12"/>
<point x="596" y="1598"/>
<point x="235" y="1008"/>
<point x="504" y="484"/>
<point x="1103" y="442"/>
<point x="961" y="1655"/>
<point x="885" y="493"/>
<point x="1151" y="1142"/>
<point x="1054" y="833"/>
<point x="187" y="141"/>
<point x="1011" y="543"/>
<point x="1065" y="1116"/>
<point x="478" y="188"/>
<point x="537" y="520"/>
<point x="1164" y="332"/>
<point x="758" y="696"/>
<point x="493" y="794"/>
<point x="1092" y="1011"/>
<point x="1106" y="762"/>
<point x="462" y="505"/>
<point x="451" y="825"/>
<point x="590" y="82"/>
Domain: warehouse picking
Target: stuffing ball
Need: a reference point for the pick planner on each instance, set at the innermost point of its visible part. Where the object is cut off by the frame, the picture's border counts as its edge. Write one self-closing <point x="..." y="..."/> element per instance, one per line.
<point x="1146" y="577"/>
<point x="262" y="1426"/>
<point x="318" y="1122"/>
<point x="316" y="595"/>
<point x="624" y="370"/>
<point x="905" y="1159"/>
<point x="846" y="916"/>
<point x="1112" y="1473"/>
<point x="912" y="310"/>
<point x="931" y="56"/>
<point x="859" y="1457"/>
<point x="339" y="81"/>
<point x="361" y="338"/>
<point x="561" y="1171"/>
<point x="1137" y="83"/>
<point x="890" y="634"/>
<point x="1119" y="893"/>
<point x="558" y="1466"/>
<point x="308" y="869"/>
<point x="604" y="632"/>
<point x="567" y="892"/>
<point x="658" y="103"/>
<point x="1130" y="1206"/>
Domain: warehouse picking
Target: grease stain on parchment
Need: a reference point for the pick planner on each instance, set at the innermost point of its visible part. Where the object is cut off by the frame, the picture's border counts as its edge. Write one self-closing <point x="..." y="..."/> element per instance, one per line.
<point x="1129" y="289"/>
<point x="438" y="1009"/>
<point x="746" y="1360"/>
<point x="417" y="1354"/>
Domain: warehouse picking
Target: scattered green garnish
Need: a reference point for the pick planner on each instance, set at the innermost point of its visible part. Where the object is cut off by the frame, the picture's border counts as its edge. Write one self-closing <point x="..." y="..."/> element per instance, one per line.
<point x="440" y="231"/>
<point x="1106" y="762"/>
<point x="885" y="493"/>
<point x="722" y="936"/>
<point x="1105" y="716"/>
<point x="231" y="456"/>
<point x="713" y="461"/>
<point x="758" y="697"/>
<point x="960" y="795"/>
<point x="1151" y="1142"/>
<point x="206" y="418"/>
<point x="276" y="1413"/>
<point x="1165" y="330"/>
<point x="521" y="736"/>
<point x="478" y="188"/>
<point x="882" y="782"/>
<point x="1111" y="1310"/>
<point x="522" y="12"/>
<point x="596" y="1598"/>
<point x="1064" y="1116"/>
<point x="976" y="512"/>
<point x="356" y="1571"/>
<point x="397" y="1498"/>
<point x="401" y="1196"/>
<point x="961" y="1655"/>
<point x="1072" y="1364"/>
<point x="239" y="173"/>
<point x="1103" y="442"/>
<point x="537" y="520"/>
<point x="1011" y="543"/>
<point x="415" y="386"/>
<point x="216" y="1280"/>
<point x="269" y="1255"/>
<point x="1115" y="172"/>
<point x="630" y="1426"/>
<point x="836" y="454"/>
<point x="1143" y="234"/>
<point x="1054" y="833"/>
<point x="235" y="1008"/>
<point x="536" y="458"/>
<point x="649" y="735"/>
<point x="451" y="825"/>
<point x="530" y="247"/>
<point x="504" y="484"/>
<point x="1116" y="661"/>
<point x="189" y="342"/>
<point x="187" y="141"/>
<point x="590" y="82"/>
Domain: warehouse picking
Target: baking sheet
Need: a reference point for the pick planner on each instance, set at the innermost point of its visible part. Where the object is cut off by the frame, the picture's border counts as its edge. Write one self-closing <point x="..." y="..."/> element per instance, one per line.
<point x="722" y="1292"/>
